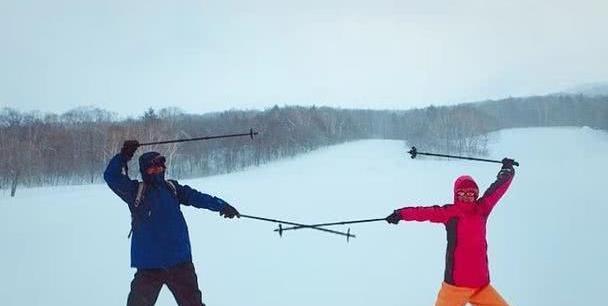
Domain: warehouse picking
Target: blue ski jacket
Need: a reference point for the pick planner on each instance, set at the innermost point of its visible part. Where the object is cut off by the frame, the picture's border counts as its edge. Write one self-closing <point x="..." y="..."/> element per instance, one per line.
<point x="160" y="234"/>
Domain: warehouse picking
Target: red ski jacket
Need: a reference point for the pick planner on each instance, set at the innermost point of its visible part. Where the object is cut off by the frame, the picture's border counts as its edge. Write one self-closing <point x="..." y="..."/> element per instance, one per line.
<point x="465" y="223"/>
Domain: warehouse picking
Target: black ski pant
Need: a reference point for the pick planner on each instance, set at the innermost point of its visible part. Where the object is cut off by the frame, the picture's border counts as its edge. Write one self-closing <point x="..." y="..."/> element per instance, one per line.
<point x="180" y="279"/>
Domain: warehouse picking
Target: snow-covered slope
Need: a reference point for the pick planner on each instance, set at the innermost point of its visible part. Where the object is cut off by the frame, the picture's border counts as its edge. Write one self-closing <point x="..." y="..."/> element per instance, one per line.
<point x="547" y="242"/>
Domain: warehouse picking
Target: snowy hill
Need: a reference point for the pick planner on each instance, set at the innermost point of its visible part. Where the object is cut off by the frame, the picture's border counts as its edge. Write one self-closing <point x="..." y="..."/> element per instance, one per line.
<point x="590" y="89"/>
<point x="547" y="243"/>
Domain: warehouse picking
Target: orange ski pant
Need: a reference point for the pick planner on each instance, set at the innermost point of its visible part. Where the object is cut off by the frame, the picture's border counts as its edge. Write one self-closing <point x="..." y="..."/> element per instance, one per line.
<point x="458" y="296"/>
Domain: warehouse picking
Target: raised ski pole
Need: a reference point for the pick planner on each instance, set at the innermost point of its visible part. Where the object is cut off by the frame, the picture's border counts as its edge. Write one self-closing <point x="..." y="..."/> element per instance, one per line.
<point x="250" y="134"/>
<point x="317" y="226"/>
<point x="414" y="152"/>
<point x="281" y="222"/>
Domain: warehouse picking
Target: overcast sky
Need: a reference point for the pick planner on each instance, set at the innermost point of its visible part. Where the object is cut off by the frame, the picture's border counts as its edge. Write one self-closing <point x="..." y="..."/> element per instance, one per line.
<point x="126" y="56"/>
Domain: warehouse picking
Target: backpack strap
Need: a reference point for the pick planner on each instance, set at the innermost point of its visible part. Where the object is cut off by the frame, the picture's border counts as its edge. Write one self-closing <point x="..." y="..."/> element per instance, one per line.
<point x="171" y="184"/>
<point x="141" y="188"/>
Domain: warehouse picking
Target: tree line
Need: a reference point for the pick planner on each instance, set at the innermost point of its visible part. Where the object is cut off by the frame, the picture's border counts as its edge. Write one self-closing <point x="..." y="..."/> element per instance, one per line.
<point x="74" y="147"/>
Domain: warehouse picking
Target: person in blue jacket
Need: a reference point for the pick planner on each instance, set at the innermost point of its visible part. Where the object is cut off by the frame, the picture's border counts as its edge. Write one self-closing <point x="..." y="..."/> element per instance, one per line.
<point x="160" y="245"/>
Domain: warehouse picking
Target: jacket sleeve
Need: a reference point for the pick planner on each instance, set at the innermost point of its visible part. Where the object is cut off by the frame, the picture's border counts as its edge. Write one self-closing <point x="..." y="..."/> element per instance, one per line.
<point x="496" y="190"/>
<point x="435" y="214"/>
<point x="192" y="197"/>
<point x="120" y="183"/>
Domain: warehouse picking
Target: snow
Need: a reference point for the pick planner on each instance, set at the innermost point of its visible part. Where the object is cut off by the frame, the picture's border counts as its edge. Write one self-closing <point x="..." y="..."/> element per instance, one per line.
<point x="547" y="245"/>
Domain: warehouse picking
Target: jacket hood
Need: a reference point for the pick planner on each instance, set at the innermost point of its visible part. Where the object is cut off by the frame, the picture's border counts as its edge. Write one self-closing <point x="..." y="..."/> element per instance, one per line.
<point x="464" y="182"/>
<point x="145" y="161"/>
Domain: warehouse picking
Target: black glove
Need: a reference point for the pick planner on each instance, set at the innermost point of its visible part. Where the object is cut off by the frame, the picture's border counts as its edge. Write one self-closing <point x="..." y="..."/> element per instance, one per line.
<point x="394" y="218"/>
<point x="229" y="212"/>
<point x="507" y="163"/>
<point x="128" y="149"/>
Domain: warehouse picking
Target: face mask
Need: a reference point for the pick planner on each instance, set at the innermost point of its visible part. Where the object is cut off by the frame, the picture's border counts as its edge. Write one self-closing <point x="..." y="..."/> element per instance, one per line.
<point x="155" y="173"/>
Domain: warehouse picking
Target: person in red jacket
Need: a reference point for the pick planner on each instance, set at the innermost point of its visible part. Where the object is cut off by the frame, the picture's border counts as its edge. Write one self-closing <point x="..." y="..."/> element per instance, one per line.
<point x="467" y="277"/>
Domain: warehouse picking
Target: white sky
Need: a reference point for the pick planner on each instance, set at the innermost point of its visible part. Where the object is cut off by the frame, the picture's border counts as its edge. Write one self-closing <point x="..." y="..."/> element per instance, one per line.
<point x="203" y="56"/>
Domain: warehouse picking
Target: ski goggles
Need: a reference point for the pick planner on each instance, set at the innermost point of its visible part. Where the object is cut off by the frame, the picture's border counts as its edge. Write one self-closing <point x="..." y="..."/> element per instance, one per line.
<point x="158" y="161"/>
<point x="468" y="193"/>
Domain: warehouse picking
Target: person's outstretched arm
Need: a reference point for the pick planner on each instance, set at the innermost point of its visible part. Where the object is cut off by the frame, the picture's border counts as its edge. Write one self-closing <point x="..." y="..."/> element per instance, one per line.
<point x="190" y="196"/>
<point x="435" y="214"/>
<point x="120" y="183"/>
<point x="497" y="189"/>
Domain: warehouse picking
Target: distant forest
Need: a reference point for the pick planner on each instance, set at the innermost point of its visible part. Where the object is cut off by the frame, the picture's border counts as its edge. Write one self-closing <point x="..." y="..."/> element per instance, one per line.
<point x="74" y="147"/>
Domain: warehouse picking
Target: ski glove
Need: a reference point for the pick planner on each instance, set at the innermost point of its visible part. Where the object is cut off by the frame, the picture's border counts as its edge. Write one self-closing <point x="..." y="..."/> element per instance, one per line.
<point x="507" y="163"/>
<point x="128" y="149"/>
<point x="394" y="218"/>
<point x="229" y="212"/>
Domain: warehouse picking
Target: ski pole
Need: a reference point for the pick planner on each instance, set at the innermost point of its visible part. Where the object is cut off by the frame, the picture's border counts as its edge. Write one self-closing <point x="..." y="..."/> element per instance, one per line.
<point x="316" y="226"/>
<point x="414" y="152"/>
<point x="280" y="222"/>
<point x="250" y="134"/>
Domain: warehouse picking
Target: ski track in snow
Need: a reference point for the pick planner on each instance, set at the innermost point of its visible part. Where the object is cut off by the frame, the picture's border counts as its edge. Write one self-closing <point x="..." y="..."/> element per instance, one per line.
<point x="68" y="245"/>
